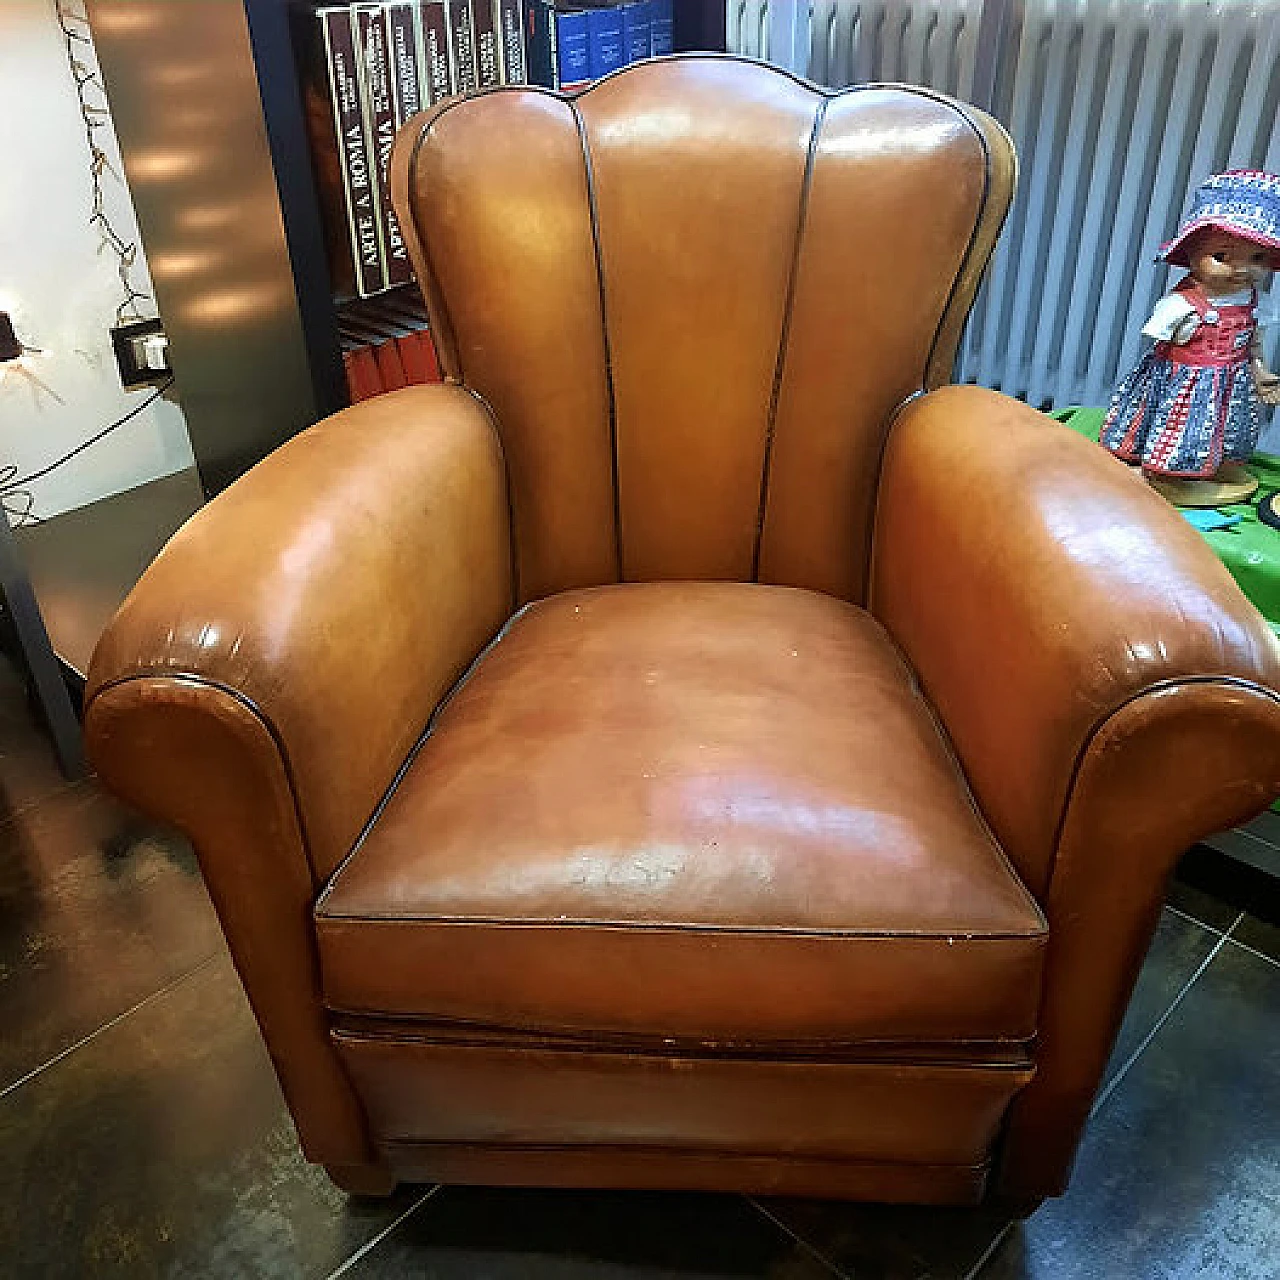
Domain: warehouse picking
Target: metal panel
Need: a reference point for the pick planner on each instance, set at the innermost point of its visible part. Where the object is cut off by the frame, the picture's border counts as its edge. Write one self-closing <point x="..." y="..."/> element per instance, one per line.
<point x="1117" y="107"/>
<point x="185" y="98"/>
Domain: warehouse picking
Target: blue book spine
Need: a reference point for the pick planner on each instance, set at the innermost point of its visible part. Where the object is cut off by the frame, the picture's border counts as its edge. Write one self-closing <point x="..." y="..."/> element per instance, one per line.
<point x="606" y="47"/>
<point x="661" y="28"/>
<point x="573" y="42"/>
<point x="635" y="29"/>
<point x="540" y="44"/>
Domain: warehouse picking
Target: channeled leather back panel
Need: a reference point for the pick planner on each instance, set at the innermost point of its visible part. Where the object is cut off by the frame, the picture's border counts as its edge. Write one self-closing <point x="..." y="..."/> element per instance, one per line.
<point x="693" y="296"/>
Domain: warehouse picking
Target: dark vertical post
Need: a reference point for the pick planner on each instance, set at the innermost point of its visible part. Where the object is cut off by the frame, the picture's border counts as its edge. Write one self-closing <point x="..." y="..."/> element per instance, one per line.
<point x="38" y="657"/>
<point x="699" y="25"/>
<point x="271" y="37"/>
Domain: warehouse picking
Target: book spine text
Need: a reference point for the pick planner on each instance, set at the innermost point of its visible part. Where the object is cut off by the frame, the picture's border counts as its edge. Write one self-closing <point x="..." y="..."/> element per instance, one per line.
<point x="380" y="122"/>
<point x="359" y="191"/>
<point x="511" y="32"/>
<point x="488" y="54"/>
<point x="437" y="68"/>
<point x="462" y="38"/>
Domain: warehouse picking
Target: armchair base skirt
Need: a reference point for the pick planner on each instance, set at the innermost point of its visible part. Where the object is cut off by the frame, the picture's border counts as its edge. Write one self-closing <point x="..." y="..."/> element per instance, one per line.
<point x="911" y="1128"/>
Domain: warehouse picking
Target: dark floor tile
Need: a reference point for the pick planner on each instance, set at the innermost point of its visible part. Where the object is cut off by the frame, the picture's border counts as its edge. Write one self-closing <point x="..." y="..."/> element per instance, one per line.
<point x="1177" y="951"/>
<point x="1260" y="935"/>
<point x="1201" y="905"/>
<point x="1179" y="1174"/>
<point x="475" y="1233"/>
<point x="28" y="768"/>
<point x="1232" y="883"/>
<point x="98" y="909"/>
<point x="162" y="1147"/>
<point x="890" y="1242"/>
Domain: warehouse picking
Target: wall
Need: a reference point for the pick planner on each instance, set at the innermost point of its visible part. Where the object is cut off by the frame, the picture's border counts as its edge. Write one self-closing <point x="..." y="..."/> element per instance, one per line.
<point x="61" y="291"/>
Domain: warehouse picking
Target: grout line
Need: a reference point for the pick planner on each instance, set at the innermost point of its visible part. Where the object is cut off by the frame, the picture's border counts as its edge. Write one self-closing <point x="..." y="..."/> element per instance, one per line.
<point x="1190" y="919"/>
<point x="989" y="1252"/>
<point x="799" y="1239"/>
<point x="106" y="1026"/>
<point x="1253" y="951"/>
<point x="1112" y="1084"/>
<point x="370" y="1245"/>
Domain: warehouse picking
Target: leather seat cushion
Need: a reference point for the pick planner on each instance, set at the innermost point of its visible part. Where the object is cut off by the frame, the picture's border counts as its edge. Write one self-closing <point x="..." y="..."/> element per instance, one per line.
<point x="710" y="814"/>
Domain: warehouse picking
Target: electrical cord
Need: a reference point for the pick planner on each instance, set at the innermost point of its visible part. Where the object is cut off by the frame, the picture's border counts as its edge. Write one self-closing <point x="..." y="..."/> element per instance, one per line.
<point x="14" y="486"/>
<point x="17" y="501"/>
<point x="75" y="28"/>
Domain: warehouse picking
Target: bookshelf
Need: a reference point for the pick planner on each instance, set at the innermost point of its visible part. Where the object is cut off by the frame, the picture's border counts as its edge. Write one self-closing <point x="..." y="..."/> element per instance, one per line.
<point x="212" y="130"/>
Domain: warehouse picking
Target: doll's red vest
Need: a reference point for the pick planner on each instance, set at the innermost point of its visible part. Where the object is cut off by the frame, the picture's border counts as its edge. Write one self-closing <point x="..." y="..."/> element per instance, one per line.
<point x="1224" y="334"/>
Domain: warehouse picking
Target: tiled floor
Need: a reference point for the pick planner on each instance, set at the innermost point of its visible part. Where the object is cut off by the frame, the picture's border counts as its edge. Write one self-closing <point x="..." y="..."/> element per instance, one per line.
<point x="142" y="1132"/>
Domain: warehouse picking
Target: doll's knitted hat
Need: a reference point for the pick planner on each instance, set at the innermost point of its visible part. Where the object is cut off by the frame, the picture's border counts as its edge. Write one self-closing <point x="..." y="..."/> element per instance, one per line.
<point x="1245" y="202"/>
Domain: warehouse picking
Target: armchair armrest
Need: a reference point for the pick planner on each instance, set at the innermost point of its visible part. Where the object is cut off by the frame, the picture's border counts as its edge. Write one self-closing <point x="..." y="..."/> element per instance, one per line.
<point x="339" y="589"/>
<point x="274" y="667"/>
<point x="1109" y="691"/>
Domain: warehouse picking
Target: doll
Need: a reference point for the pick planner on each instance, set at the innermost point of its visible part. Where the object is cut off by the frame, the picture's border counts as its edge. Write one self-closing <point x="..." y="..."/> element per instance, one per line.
<point x="1190" y="413"/>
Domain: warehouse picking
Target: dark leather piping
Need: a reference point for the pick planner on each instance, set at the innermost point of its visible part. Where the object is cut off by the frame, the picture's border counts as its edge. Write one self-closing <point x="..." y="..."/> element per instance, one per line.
<point x="826" y="1054"/>
<point x="978" y="222"/>
<point x="822" y="92"/>
<point x="606" y="1151"/>
<point x="450" y="353"/>
<point x="944" y="736"/>
<point x="412" y="756"/>
<point x="784" y="333"/>
<point x="513" y="552"/>
<point x="191" y="678"/>
<point x="594" y="213"/>
<point x="1036" y="937"/>
<point x="1159" y="686"/>
<point x="449" y="1031"/>
<point x="433" y="291"/>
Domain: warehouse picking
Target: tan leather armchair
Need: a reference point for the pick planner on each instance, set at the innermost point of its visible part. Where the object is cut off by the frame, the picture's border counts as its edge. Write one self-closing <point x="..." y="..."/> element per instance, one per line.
<point x="678" y="752"/>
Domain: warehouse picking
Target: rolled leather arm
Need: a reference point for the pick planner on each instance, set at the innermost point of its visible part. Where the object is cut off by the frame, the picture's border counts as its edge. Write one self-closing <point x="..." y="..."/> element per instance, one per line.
<point x="274" y="667"/>
<point x="1109" y="691"/>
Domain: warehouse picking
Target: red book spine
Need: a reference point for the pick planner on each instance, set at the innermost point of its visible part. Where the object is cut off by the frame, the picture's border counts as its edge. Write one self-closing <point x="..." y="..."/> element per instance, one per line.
<point x="390" y="369"/>
<point x="430" y="356"/>
<point x="488" y="55"/>
<point x="380" y="122"/>
<point x="363" y="379"/>
<point x="411" y="357"/>
<point x="358" y="188"/>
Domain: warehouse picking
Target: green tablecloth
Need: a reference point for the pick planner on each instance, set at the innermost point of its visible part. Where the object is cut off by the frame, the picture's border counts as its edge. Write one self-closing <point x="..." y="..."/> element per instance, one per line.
<point x="1250" y="549"/>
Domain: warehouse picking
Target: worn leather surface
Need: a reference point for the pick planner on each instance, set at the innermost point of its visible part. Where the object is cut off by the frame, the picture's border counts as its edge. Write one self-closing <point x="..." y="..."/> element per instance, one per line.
<point x="693" y="295"/>
<point x="1109" y="690"/>
<point x="691" y="810"/>
<point x="708" y="823"/>
<point x="1171" y="766"/>
<point x="197" y="755"/>
<point x="339" y="588"/>
<point x="882" y="1112"/>
<point x="1036" y="585"/>
<point x="265" y="679"/>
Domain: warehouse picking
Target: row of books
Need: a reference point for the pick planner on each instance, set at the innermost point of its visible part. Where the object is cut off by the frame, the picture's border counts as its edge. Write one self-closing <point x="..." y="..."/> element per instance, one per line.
<point x="572" y="44"/>
<point x="386" y="345"/>
<point x="370" y="65"/>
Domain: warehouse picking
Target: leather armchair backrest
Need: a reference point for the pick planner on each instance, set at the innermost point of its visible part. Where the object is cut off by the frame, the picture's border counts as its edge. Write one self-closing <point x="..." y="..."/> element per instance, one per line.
<point x="693" y="296"/>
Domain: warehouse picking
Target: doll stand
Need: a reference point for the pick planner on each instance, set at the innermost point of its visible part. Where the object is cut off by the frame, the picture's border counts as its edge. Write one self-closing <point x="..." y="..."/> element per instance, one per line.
<point x="1232" y="483"/>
